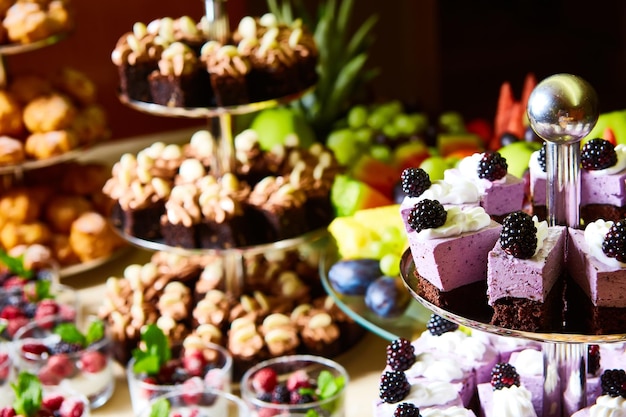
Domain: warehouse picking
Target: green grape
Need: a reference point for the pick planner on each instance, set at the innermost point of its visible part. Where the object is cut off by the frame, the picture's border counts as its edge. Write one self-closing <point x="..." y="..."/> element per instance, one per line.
<point x="344" y="146"/>
<point x="435" y="167"/>
<point x="404" y="124"/>
<point x="420" y="120"/>
<point x="364" y="135"/>
<point x="390" y="265"/>
<point x="450" y="118"/>
<point x="392" y="236"/>
<point x="392" y="107"/>
<point x="357" y="117"/>
<point x="375" y="249"/>
<point x="376" y="120"/>
<point x="380" y="152"/>
<point x="390" y="131"/>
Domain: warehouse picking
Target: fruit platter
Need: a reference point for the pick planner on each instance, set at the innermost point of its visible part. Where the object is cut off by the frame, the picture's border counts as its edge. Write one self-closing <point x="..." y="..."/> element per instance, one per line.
<point x="367" y="286"/>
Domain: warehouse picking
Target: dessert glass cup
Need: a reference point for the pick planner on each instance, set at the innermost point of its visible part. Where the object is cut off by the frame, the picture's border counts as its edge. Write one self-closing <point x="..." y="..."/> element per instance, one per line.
<point x="23" y="307"/>
<point x="200" y="402"/>
<point x="218" y="376"/>
<point x="284" y="366"/>
<point x="88" y="371"/>
<point x="7" y="375"/>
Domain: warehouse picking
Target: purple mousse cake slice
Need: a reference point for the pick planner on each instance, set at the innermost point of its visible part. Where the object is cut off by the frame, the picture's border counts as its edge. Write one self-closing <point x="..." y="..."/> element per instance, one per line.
<point x="603" y="181"/>
<point x="501" y="193"/>
<point x="597" y="296"/>
<point x="449" y="247"/>
<point x="524" y="274"/>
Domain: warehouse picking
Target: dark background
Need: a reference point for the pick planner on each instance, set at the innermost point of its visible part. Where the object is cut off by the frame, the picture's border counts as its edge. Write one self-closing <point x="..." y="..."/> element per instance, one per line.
<point x="440" y="55"/>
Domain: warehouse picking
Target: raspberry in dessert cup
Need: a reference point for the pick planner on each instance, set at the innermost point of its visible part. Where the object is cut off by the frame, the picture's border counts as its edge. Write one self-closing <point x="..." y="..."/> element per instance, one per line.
<point x="64" y="357"/>
<point x="156" y="368"/>
<point x="195" y="402"/>
<point x="31" y="398"/>
<point x="36" y="301"/>
<point x="295" y="385"/>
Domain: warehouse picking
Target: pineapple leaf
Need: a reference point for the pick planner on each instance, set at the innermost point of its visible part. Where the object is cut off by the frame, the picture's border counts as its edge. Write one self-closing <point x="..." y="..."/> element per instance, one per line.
<point x="360" y="40"/>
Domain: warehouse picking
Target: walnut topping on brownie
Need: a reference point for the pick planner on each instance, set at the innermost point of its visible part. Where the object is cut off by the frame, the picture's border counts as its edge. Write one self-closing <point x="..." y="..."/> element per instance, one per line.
<point x="138" y="46"/>
<point x="280" y="334"/>
<point x="178" y="59"/>
<point x="212" y="309"/>
<point x="244" y="340"/>
<point x="276" y="192"/>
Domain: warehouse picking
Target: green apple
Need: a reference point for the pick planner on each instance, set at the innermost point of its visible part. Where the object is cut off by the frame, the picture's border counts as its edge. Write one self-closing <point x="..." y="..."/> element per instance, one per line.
<point x="275" y="125"/>
<point x="434" y="166"/>
<point x="517" y="155"/>
<point x="616" y="120"/>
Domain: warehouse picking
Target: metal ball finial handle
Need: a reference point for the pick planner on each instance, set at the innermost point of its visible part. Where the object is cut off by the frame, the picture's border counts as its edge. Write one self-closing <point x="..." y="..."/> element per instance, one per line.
<point x="562" y="110"/>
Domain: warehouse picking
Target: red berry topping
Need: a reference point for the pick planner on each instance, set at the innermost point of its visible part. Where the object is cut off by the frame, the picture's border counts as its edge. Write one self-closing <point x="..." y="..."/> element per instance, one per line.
<point x="53" y="402"/>
<point x="7" y="412"/>
<point x="11" y="312"/>
<point x="194" y="362"/>
<point x="34" y="350"/>
<point x="45" y="309"/>
<point x="62" y="365"/>
<point x="297" y="380"/>
<point x="192" y="390"/>
<point x="72" y="407"/>
<point x="15" y="324"/>
<point x="93" y="361"/>
<point x="265" y="380"/>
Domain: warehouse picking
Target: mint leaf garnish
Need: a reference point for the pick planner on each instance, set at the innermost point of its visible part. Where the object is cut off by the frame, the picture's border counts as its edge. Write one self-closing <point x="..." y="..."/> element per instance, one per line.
<point x="69" y="333"/>
<point x="38" y="290"/>
<point x="160" y="408"/>
<point x="328" y="385"/>
<point x="95" y="332"/>
<point x="28" y="394"/>
<point x="15" y="265"/>
<point x="156" y="353"/>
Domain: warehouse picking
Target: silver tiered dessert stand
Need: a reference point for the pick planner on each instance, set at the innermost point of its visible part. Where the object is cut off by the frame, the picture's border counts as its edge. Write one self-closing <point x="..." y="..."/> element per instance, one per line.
<point x="562" y="110"/>
<point x="220" y="121"/>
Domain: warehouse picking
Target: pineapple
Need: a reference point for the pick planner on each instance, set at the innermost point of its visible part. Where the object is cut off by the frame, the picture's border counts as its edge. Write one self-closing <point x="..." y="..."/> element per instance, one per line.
<point x="343" y="56"/>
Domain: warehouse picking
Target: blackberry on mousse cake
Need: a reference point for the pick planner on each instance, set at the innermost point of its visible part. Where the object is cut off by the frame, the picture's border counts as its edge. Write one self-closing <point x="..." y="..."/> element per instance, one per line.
<point x="524" y="274"/>
<point x="602" y="181"/>
<point x="449" y="247"/>
<point x="596" y="262"/>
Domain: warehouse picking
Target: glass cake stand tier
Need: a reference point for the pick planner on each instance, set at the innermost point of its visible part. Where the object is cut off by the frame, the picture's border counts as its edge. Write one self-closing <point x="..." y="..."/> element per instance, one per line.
<point x="409" y="325"/>
<point x="220" y="121"/>
<point x="209" y="112"/>
<point x="233" y="260"/>
<point x="565" y="354"/>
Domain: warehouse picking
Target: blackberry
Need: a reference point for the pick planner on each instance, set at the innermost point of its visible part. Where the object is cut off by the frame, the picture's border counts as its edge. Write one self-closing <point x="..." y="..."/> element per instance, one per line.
<point x="614" y="244"/>
<point x="297" y="397"/>
<point x="437" y="325"/>
<point x="613" y="382"/>
<point x="518" y="236"/>
<point x="400" y="354"/>
<point x="66" y="347"/>
<point x="393" y="386"/>
<point x="492" y="166"/>
<point x="504" y="375"/>
<point x="426" y="214"/>
<point x="406" y="410"/>
<point x="281" y="394"/>
<point x="265" y="397"/>
<point x="414" y="181"/>
<point x="541" y="158"/>
<point x="598" y="154"/>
